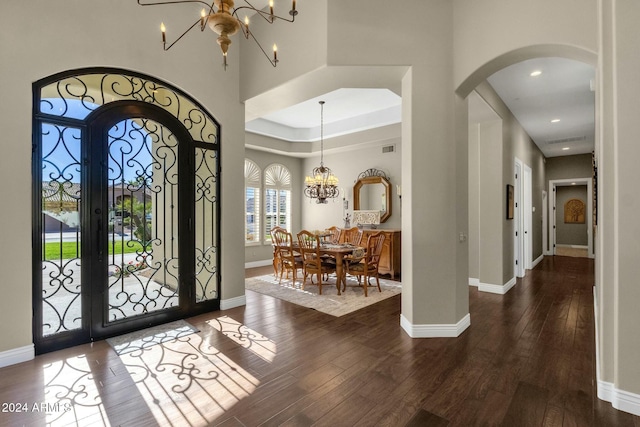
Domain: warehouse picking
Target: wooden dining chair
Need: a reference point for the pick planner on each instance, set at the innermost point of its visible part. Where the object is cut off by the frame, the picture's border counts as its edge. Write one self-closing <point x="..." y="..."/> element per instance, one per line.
<point x="289" y="259"/>
<point x="277" y="262"/>
<point x="309" y="245"/>
<point x="334" y="236"/>
<point x="368" y="267"/>
<point x="351" y="235"/>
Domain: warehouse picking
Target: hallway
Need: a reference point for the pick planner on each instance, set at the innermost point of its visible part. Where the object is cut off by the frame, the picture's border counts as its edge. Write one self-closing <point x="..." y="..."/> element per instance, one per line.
<point x="527" y="359"/>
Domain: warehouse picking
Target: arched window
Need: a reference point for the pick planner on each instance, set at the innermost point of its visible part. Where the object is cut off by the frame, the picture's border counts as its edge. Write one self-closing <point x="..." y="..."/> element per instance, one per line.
<point x="277" y="179"/>
<point x="252" y="212"/>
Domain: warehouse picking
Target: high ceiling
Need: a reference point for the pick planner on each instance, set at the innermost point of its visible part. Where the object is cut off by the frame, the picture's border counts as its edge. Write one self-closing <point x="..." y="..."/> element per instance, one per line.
<point x="560" y="93"/>
<point x="556" y="107"/>
<point x="345" y="111"/>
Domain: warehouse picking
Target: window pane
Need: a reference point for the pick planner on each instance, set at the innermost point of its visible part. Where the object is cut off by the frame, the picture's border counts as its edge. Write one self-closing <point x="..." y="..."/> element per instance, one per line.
<point x="252" y="214"/>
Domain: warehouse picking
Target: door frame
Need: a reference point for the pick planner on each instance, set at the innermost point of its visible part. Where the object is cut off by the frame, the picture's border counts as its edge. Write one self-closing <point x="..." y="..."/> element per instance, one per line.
<point x="145" y="91"/>
<point x="98" y="124"/>
<point x="552" y="212"/>
<point x="518" y="248"/>
<point x="527" y="211"/>
<point x="545" y="222"/>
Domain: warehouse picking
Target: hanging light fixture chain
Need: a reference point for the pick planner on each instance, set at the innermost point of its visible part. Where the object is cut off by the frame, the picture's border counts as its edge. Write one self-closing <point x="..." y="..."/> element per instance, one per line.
<point x="321" y="133"/>
<point x="322" y="184"/>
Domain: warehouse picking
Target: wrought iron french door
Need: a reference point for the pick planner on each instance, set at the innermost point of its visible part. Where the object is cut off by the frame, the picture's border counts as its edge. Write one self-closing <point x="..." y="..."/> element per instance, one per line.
<point x="126" y="223"/>
<point x="140" y="211"/>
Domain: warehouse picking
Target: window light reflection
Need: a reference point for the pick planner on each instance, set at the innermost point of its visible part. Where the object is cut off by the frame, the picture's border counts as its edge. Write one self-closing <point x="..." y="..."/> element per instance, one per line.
<point x="253" y="341"/>
<point x="71" y="394"/>
<point x="187" y="381"/>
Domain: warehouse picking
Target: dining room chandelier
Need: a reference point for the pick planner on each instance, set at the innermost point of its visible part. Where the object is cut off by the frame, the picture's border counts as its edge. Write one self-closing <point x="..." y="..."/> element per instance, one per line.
<point x="224" y="20"/>
<point x="322" y="184"/>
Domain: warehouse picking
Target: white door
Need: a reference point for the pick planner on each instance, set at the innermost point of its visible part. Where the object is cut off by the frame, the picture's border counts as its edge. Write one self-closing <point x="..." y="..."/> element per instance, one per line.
<point x="517" y="219"/>
<point x="527" y="211"/>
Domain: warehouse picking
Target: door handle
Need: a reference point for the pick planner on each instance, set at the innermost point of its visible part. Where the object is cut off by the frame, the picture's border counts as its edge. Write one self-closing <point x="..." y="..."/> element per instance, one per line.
<point x="99" y="239"/>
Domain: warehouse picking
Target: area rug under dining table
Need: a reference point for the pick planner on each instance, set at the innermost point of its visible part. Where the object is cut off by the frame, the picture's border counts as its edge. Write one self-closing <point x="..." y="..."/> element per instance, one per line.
<point x="329" y="302"/>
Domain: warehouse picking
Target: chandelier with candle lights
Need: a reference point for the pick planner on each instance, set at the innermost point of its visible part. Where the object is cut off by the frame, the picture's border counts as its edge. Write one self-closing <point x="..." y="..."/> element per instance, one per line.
<point x="323" y="184"/>
<point x="224" y="20"/>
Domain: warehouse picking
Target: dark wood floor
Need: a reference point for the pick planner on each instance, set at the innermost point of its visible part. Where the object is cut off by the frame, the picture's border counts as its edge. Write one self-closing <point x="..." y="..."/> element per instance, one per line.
<point x="527" y="359"/>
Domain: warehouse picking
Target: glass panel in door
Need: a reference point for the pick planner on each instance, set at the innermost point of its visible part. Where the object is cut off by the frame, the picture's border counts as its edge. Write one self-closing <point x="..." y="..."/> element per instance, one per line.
<point x="61" y="197"/>
<point x="205" y="220"/>
<point x="142" y="198"/>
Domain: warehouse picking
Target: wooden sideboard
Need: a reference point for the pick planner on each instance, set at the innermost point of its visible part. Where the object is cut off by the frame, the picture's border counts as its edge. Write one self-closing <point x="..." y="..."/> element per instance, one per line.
<point x="390" y="258"/>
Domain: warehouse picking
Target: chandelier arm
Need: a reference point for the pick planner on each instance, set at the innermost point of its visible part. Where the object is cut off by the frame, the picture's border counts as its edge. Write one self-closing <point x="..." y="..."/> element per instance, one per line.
<point x="273" y="62"/>
<point x="203" y="23"/>
<point x="182" y="35"/>
<point x="175" y="2"/>
<point x="253" y="9"/>
<point x="264" y="15"/>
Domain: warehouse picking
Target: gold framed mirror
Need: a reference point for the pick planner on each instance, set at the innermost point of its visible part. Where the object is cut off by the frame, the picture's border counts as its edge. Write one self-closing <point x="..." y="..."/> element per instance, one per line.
<point x="372" y="191"/>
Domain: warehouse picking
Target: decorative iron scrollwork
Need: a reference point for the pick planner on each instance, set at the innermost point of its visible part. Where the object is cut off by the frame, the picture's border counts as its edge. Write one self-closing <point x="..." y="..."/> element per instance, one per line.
<point x="373" y="172"/>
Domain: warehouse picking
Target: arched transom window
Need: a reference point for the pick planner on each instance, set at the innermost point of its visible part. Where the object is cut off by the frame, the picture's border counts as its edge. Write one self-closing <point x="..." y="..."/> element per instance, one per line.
<point x="277" y="179"/>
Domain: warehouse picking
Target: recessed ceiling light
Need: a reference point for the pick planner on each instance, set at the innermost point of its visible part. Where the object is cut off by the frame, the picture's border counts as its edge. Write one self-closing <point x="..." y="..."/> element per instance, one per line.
<point x="535" y="73"/>
<point x="565" y="148"/>
<point x="573" y="183"/>
<point x="555" y="120"/>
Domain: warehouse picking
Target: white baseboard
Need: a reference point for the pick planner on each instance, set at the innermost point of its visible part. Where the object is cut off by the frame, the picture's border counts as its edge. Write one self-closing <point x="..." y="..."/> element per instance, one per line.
<point x="620" y="399"/>
<point x="474" y="282"/>
<point x="435" y="331"/>
<point x="262" y="263"/>
<point x="560" y="245"/>
<point x="536" y="261"/>
<point x="226" y="304"/>
<point x="17" y="355"/>
<point x="497" y="289"/>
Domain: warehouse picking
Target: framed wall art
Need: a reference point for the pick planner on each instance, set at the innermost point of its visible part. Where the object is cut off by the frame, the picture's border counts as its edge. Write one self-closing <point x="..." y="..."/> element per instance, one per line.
<point x="510" y="202"/>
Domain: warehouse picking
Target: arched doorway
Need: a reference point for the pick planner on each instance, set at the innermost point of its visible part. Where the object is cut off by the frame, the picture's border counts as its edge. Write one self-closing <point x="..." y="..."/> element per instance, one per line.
<point x="126" y="206"/>
<point x="521" y="241"/>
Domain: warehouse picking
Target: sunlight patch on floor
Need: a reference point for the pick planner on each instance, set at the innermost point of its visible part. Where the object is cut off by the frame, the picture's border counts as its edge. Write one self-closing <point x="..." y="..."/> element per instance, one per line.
<point x="246" y="337"/>
<point x="71" y="394"/>
<point x="188" y="382"/>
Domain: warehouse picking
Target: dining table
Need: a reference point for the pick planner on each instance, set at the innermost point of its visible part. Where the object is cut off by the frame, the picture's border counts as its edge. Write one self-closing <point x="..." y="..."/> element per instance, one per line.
<point x="337" y="251"/>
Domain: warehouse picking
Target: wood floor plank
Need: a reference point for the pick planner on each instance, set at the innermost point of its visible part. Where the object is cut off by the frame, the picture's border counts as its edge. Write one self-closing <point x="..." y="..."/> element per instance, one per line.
<point x="426" y="418"/>
<point x="526" y="359"/>
<point x="527" y="407"/>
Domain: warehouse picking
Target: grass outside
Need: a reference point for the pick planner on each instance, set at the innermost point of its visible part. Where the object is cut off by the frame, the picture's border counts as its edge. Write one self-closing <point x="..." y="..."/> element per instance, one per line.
<point x="70" y="250"/>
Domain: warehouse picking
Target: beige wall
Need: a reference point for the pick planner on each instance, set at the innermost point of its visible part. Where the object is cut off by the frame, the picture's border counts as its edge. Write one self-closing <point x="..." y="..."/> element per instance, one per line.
<point x="618" y="227"/>
<point x="370" y="58"/>
<point x="491" y="204"/>
<point x="567" y="167"/>
<point x="514" y="143"/>
<point x="492" y="34"/>
<point x="347" y="165"/>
